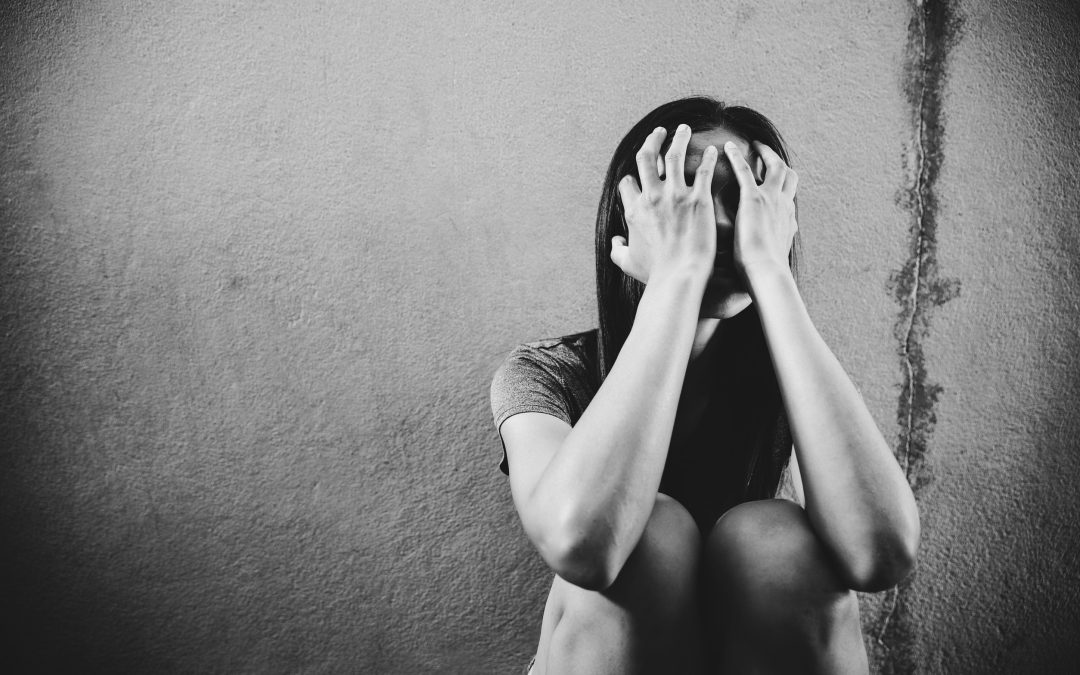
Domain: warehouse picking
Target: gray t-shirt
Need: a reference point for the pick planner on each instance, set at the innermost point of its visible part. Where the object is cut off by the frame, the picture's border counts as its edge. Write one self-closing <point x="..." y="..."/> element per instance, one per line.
<point x="559" y="377"/>
<point x="556" y="377"/>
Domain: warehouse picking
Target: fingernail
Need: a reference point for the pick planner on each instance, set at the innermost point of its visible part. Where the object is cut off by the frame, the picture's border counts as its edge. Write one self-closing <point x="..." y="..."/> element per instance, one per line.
<point x="682" y="127"/>
<point x="711" y="150"/>
<point x="730" y="146"/>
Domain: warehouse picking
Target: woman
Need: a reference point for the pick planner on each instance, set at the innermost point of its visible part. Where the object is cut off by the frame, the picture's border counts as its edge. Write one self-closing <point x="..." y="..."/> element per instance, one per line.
<point x="646" y="455"/>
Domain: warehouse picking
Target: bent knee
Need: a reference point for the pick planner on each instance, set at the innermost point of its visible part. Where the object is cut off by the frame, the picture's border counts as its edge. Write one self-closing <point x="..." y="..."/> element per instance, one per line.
<point x="667" y="553"/>
<point x="662" y="569"/>
<point x="772" y="582"/>
<point x="651" y="609"/>
<point x="764" y="554"/>
<point x="670" y="531"/>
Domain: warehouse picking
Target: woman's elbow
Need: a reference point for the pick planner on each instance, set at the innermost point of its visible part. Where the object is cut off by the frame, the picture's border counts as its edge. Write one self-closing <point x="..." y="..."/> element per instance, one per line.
<point x="581" y="559"/>
<point x="584" y="567"/>
<point x="885" y="561"/>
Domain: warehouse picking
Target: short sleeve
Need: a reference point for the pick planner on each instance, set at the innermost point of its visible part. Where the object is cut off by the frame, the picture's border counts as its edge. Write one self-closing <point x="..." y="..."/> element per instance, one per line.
<point x="524" y="383"/>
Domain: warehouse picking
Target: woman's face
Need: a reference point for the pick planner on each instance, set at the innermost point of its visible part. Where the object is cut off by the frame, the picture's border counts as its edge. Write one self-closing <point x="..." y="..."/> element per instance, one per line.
<point x="725" y="295"/>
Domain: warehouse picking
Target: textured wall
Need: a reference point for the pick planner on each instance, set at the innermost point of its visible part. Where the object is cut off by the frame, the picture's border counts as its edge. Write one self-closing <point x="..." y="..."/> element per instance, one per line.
<point x="258" y="262"/>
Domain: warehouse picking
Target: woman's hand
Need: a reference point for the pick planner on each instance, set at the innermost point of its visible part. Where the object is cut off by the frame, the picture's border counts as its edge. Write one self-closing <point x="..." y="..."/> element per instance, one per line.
<point x="765" y="223"/>
<point x="671" y="227"/>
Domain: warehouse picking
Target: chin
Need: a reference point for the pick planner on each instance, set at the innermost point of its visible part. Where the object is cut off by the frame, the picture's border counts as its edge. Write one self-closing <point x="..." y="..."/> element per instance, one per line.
<point x="723" y="300"/>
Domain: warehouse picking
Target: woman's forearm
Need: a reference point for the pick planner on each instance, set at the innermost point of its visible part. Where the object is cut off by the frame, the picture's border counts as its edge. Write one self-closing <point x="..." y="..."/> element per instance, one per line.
<point x="599" y="488"/>
<point x="857" y="497"/>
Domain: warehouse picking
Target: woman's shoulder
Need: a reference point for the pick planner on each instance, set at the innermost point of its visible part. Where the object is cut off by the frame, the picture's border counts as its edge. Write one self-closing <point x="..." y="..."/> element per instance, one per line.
<point x="569" y="360"/>
<point x="576" y="348"/>
<point x="550" y="374"/>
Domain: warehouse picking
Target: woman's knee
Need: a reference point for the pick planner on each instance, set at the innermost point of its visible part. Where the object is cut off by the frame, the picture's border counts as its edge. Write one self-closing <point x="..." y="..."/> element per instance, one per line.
<point x="649" y="613"/>
<point x="658" y="576"/>
<point x="664" y="564"/>
<point x="767" y="569"/>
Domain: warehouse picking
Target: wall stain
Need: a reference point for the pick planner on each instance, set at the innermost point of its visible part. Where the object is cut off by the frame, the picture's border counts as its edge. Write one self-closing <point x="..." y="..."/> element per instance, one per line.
<point x="918" y="287"/>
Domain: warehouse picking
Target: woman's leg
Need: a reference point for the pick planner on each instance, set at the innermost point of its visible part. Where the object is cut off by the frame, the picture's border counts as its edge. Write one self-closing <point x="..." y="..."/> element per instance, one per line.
<point x="774" y="601"/>
<point x="647" y="621"/>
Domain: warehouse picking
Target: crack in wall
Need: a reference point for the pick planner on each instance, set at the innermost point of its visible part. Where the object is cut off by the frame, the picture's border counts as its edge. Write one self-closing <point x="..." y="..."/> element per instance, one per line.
<point x="920" y="238"/>
<point x="933" y="30"/>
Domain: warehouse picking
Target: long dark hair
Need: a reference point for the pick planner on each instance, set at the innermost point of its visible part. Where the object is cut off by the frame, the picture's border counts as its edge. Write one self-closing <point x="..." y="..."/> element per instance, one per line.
<point x="762" y="420"/>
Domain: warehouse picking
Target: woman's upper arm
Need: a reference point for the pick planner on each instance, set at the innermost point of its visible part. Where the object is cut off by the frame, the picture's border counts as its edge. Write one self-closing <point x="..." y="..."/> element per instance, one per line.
<point x="531" y="440"/>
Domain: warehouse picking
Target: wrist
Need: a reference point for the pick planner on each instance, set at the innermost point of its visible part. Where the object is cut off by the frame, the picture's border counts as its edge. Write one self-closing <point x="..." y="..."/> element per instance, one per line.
<point x="674" y="296"/>
<point x="765" y="274"/>
<point x="680" y="281"/>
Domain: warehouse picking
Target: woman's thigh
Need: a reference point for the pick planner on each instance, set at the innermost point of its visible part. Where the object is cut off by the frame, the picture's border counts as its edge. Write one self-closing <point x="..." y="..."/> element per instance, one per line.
<point x="772" y="597"/>
<point x="646" y="621"/>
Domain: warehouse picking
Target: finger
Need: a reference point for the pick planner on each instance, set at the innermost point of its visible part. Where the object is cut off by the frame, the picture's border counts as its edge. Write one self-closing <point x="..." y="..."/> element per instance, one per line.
<point x="775" y="168"/>
<point x="646" y="160"/>
<point x="660" y="165"/>
<point x="791" y="183"/>
<point x="743" y="174"/>
<point x="759" y="170"/>
<point x="628" y="193"/>
<point x="704" y="175"/>
<point x="620" y="253"/>
<point x="676" y="156"/>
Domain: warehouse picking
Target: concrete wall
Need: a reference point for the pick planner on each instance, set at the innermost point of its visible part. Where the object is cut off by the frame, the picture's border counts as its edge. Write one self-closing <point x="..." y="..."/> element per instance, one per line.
<point x="259" y="260"/>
